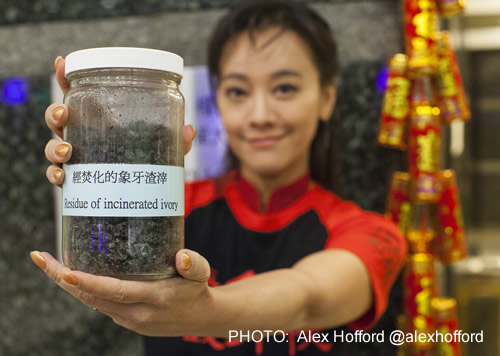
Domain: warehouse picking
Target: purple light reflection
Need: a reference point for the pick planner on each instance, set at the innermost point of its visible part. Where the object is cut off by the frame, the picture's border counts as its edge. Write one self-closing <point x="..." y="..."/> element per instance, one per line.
<point x="14" y="91"/>
<point x="99" y="234"/>
<point x="382" y="78"/>
<point x="99" y="225"/>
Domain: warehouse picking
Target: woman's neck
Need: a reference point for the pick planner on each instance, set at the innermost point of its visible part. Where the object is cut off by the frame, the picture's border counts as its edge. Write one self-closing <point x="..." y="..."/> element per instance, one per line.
<point x="267" y="184"/>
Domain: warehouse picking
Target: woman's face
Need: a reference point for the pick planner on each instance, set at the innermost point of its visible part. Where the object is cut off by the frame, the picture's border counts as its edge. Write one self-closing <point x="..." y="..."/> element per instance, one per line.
<point x="270" y="100"/>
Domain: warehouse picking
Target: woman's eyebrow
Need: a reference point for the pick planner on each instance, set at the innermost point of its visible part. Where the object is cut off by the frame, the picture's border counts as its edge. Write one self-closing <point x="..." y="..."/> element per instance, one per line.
<point x="238" y="76"/>
<point x="285" y="73"/>
<point x="277" y="74"/>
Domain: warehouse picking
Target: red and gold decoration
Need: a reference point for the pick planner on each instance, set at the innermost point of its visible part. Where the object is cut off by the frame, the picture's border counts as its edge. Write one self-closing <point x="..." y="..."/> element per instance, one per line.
<point x="450" y="245"/>
<point x="421" y="18"/>
<point x="424" y="94"/>
<point x="399" y="204"/>
<point x="424" y="147"/>
<point x="396" y="108"/>
<point x="419" y="290"/>
<point x="445" y="316"/>
<point x="449" y="8"/>
<point x="452" y="98"/>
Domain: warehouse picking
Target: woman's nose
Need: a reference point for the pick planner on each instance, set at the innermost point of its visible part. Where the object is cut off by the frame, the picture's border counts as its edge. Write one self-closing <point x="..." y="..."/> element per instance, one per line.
<point x="262" y="111"/>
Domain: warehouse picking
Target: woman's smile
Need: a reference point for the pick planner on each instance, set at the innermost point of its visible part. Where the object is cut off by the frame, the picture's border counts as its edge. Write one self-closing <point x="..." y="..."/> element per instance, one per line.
<point x="264" y="141"/>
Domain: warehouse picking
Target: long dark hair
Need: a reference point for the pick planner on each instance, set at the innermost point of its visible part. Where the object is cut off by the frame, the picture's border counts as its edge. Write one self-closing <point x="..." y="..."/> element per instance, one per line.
<point x="257" y="16"/>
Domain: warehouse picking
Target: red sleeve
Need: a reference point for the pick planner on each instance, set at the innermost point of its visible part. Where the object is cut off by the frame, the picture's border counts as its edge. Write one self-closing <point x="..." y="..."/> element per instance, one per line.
<point x="378" y="243"/>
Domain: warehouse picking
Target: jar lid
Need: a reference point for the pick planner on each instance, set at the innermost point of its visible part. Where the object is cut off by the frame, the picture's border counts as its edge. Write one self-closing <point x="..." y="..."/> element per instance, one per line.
<point x="124" y="57"/>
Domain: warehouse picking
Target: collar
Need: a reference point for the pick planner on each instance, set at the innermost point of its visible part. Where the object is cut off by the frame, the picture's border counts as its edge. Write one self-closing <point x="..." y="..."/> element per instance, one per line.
<point x="279" y="199"/>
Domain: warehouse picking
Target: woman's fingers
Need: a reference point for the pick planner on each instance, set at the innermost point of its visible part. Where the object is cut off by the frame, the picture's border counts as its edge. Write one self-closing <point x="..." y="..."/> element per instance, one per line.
<point x="63" y="277"/>
<point x="113" y="289"/>
<point x="55" y="175"/>
<point x="193" y="266"/>
<point x="59" y="65"/>
<point x="58" y="151"/>
<point x="56" y="117"/>
<point x="56" y="114"/>
<point x="105" y="288"/>
<point x="189" y="135"/>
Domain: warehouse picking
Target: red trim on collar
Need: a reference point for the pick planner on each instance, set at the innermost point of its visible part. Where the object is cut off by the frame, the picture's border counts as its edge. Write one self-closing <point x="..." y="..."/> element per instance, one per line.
<point x="280" y="198"/>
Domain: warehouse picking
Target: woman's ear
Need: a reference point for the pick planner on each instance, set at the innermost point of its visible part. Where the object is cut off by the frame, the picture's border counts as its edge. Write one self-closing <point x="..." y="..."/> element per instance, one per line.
<point x="328" y="100"/>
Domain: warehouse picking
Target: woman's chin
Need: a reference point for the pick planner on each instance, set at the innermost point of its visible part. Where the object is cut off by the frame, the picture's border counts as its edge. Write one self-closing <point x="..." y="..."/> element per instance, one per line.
<point x="266" y="168"/>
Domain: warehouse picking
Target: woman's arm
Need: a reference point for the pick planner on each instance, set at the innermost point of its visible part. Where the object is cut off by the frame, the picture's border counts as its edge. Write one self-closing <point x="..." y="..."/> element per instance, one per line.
<point x="325" y="289"/>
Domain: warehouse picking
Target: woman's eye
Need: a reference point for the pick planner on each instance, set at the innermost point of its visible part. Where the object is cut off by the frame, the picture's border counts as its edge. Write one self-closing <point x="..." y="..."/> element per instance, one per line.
<point x="235" y="93"/>
<point x="285" y="89"/>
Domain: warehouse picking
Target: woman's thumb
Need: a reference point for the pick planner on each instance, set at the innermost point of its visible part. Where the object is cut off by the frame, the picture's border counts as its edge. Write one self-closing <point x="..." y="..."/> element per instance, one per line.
<point x="191" y="265"/>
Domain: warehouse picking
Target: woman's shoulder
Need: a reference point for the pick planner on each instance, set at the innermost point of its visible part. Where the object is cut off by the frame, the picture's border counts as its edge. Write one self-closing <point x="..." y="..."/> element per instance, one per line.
<point x="330" y="203"/>
<point x="209" y="186"/>
<point x="202" y="185"/>
<point x="203" y="191"/>
<point x="335" y="211"/>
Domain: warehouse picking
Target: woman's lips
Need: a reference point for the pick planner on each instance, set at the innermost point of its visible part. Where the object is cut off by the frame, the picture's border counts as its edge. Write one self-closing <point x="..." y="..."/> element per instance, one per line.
<point x="264" y="142"/>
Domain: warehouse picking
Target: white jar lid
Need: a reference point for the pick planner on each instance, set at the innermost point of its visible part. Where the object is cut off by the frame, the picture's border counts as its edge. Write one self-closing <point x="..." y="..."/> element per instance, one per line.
<point x="124" y="57"/>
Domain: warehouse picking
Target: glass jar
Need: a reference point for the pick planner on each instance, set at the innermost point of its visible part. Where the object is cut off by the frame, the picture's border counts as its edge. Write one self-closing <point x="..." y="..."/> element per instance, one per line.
<point x="123" y="193"/>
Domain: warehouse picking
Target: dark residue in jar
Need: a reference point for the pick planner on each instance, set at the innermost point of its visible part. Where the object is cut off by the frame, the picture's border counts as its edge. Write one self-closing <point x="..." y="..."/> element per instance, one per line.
<point x="124" y="247"/>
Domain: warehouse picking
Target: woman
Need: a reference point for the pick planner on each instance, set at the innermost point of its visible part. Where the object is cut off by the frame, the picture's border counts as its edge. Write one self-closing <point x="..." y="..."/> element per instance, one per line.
<point x="268" y="247"/>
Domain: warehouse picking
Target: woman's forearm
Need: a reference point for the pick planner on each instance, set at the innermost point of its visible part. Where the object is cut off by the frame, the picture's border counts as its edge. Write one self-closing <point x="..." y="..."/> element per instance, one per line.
<point x="276" y="300"/>
<point x="323" y="290"/>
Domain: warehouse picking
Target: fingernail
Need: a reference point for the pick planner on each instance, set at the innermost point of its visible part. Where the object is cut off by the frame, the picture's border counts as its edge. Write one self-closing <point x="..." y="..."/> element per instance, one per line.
<point x="57" y="61"/>
<point x="57" y="174"/>
<point x="38" y="259"/>
<point x="186" y="262"/>
<point x="69" y="278"/>
<point x="57" y="113"/>
<point x="62" y="150"/>
<point x="194" y="130"/>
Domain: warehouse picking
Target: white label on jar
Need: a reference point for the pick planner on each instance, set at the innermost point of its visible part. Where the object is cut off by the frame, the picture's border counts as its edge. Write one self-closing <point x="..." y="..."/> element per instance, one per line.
<point x="123" y="190"/>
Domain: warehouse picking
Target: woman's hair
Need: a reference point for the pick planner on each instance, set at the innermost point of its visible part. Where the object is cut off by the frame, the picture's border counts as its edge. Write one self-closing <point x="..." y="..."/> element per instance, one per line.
<point x="259" y="15"/>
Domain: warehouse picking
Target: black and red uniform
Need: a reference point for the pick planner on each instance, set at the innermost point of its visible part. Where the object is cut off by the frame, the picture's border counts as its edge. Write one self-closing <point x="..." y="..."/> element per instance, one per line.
<point x="223" y="224"/>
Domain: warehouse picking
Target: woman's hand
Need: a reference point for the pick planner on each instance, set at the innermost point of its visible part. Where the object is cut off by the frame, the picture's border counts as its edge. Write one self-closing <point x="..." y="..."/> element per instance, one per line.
<point x="58" y="151"/>
<point x="168" y="307"/>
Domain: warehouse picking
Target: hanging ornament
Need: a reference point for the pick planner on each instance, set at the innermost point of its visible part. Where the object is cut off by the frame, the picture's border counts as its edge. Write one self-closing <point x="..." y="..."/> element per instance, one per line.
<point x="420" y="30"/>
<point x="452" y="99"/>
<point x="393" y="130"/>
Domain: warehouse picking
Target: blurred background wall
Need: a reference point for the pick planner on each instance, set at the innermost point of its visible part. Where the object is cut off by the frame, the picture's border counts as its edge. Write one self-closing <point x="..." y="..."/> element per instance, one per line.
<point x="40" y="319"/>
